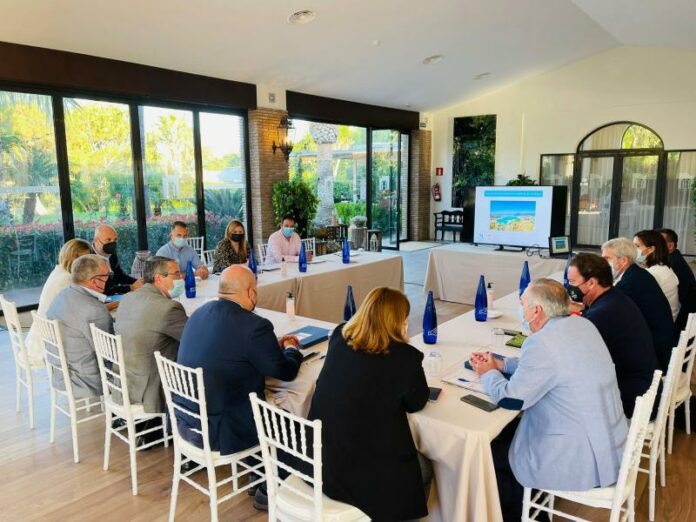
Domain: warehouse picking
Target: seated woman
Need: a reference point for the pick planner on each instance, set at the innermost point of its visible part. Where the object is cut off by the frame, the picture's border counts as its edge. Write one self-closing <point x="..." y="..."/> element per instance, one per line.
<point x="57" y="280"/>
<point x="370" y="380"/>
<point x="233" y="249"/>
<point x="652" y="250"/>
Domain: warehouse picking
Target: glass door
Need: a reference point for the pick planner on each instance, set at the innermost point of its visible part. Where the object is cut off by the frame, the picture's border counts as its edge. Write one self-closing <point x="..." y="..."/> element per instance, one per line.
<point x="638" y="185"/>
<point x="594" y="200"/>
<point x="386" y="173"/>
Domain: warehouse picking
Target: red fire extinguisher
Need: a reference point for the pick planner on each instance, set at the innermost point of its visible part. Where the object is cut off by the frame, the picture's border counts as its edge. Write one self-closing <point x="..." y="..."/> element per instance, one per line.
<point x="436" y="192"/>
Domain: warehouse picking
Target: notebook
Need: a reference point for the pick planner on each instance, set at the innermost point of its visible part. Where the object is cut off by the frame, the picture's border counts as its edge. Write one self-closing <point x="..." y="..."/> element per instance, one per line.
<point x="516" y="342"/>
<point x="310" y="335"/>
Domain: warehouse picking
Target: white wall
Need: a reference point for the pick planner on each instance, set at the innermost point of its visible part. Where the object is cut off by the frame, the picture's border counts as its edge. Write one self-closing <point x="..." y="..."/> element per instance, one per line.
<point x="552" y="112"/>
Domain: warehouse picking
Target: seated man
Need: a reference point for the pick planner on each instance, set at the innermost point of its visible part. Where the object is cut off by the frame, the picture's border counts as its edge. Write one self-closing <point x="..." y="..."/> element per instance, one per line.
<point x="620" y="323"/>
<point x="638" y="284"/>
<point x="76" y="307"/>
<point x="573" y="429"/>
<point x="284" y="243"/>
<point x="104" y="244"/>
<point x="687" y="281"/>
<point x="149" y="320"/>
<point x="178" y="249"/>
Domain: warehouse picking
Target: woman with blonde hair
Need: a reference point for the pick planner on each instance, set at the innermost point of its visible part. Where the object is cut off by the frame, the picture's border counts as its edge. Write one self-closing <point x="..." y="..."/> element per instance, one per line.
<point x="370" y="380"/>
<point x="58" y="279"/>
<point x="233" y="249"/>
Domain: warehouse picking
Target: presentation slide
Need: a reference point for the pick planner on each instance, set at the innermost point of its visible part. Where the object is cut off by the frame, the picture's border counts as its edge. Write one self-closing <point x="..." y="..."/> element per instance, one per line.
<point x="513" y="216"/>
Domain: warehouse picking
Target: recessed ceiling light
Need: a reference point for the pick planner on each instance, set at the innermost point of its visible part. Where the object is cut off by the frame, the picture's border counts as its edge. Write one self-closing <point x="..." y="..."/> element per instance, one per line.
<point x="431" y="60"/>
<point x="482" y="76"/>
<point x="302" y="17"/>
<point x="376" y="43"/>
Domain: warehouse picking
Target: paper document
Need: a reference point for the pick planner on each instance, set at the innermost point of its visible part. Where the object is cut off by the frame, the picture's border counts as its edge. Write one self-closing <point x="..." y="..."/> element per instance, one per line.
<point x="464" y="379"/>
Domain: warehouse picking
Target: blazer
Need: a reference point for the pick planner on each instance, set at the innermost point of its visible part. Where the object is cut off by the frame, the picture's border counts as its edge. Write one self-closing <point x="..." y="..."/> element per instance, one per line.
<point x="643" y="289"/>
<point x="237" y="350"/>
<point x="573" y="428"/>
<point x="687" y="287"/>
<point x="119" y="282"/>
<point x="75" y="308"/>
<point x="148" y="322"/>
<point x="369" y="457"/>
<point x="629" y="341"/>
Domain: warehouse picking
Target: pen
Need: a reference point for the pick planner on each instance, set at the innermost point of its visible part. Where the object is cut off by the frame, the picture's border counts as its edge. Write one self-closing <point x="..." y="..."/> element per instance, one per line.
<point x="460" y="379"/>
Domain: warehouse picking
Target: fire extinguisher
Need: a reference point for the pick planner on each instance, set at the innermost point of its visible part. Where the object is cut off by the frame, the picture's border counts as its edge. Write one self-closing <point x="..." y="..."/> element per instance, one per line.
<point x="436" y="192"/>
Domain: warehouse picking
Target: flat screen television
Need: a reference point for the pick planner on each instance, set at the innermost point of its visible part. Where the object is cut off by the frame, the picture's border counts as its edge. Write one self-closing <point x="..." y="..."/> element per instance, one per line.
<point x="519" y="216"/>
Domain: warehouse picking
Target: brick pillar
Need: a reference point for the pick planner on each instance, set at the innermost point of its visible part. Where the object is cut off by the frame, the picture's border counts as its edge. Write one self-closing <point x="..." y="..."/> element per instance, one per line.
<point x="419" y="204"/>
<point x="266" y="169"/>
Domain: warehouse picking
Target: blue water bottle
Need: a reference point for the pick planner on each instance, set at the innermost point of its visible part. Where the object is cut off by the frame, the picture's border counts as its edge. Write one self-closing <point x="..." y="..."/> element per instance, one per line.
<point x="346" y="252"/>
<point x="481" y="302"/>
<point x="430" y="321"/>
<point x="302" y="261"/>
<point x="252" y="264"/>
<point x="566" y="283"/>
<point x="190" y="281"/>
<point x="525" y="279"/>
<point x="349" y="306"/>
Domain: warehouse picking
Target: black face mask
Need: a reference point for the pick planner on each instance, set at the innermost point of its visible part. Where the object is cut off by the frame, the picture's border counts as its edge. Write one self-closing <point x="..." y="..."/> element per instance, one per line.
<point x="237" y="238"/>
<point x="109" y="248"/>
<point x="575" y="293"/>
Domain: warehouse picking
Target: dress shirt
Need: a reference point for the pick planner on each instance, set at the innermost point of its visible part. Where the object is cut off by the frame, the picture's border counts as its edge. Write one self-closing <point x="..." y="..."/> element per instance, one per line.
<point x="281" y="247"/>
<point x="181" y="255"/>
<point x="669" y="283"/>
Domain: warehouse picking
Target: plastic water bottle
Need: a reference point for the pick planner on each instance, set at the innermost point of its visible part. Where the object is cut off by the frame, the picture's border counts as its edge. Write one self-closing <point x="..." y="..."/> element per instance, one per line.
<point x="252" y="264"/>
<point x="525" y="278"/>
<point x="190" y="281"/>
<point x="481" y="302"/>
<point x="566" y="283"/>
<point x="302" y="261"/>
<point x="430" y="321"/>
<point x="349" y="306"/>
<point x="283" y="267"/>
<point x="290" y="307"/>
<point x="490" y="295"/>
<point x="346" y="252"/>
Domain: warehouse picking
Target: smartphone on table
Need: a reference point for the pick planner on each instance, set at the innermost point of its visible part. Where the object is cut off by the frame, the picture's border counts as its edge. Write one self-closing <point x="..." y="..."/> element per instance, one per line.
<point x="479" y="403"/>
<point x="434" y="394"/>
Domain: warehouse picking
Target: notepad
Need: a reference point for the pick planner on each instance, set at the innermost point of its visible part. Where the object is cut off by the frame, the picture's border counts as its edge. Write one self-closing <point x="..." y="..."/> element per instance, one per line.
<point x="310" y="335"/>
<point x="516" y="342"/>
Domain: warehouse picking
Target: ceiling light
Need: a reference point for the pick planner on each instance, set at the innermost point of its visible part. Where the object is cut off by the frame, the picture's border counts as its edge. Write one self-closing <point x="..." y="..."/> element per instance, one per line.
<point x="302" y="17"/>
<point x="431" y="60"/>
<point x="482" y="76"/>
<point x="376" y="43"/>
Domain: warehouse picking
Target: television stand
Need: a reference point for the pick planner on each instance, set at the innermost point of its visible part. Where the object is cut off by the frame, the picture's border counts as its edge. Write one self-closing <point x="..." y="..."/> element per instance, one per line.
<point x="510" y="249"/>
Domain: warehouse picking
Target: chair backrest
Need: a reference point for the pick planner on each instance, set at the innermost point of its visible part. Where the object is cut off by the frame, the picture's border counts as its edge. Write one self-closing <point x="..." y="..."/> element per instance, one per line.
<point x="197" y="244"/>
<point x="668" y="388"/>
<point x="186" y="383"/>
<point x="208" y="258"/>
<point x="633" y="449"/>
<point x="263" y="251"/>
<point x="19" y="349"/>
<point x="279" y="430"/>
<point x="310" y="244"/>
<point x="54" y="353"/>
<point x="690" y="349"/>
<point x="438" y="218"/>
<point x="109" y="350"/>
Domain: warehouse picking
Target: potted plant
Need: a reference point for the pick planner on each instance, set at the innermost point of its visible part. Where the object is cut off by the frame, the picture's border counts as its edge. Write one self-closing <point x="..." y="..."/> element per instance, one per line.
<point x="521" y="180"/>
<point x="295" y="198"/>
<point x="357" y="231"/>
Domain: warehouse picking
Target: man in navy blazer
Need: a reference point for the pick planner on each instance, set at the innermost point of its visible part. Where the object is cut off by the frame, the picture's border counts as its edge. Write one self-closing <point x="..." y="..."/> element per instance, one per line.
<point x="620" y="323"/>
<point x="644" y="290"/>
<point x="687" y="281"/>
<point x="237" y="350"/>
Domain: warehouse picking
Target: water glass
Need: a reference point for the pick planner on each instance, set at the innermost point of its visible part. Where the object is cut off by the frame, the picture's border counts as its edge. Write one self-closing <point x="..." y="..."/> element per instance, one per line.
<point x="497" y="340"/>
<point x="432" y="365"/>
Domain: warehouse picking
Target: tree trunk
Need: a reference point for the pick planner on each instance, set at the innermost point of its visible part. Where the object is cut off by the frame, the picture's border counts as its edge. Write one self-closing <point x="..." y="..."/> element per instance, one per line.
<point x="29" y="209"/>
<point x="325" y="184"/>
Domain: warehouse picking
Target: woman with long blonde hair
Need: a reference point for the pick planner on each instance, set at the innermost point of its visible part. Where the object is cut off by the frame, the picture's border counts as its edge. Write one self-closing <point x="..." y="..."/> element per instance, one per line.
<point x="233" y="249"/>
<point x="370" y="380"/>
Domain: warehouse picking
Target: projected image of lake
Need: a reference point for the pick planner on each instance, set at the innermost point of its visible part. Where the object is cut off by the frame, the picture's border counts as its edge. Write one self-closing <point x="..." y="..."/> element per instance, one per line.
<point x="512" y="216"/>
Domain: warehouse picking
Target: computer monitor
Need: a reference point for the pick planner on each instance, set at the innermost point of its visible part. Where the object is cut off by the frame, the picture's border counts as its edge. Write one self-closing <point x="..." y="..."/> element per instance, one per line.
<point x="559" y="246"/>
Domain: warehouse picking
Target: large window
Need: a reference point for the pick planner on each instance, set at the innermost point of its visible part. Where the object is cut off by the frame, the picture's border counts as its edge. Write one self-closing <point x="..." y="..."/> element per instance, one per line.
<point x="557" y="169"/>
<point x="679" y="212"/>
<point x="31" y="232"/>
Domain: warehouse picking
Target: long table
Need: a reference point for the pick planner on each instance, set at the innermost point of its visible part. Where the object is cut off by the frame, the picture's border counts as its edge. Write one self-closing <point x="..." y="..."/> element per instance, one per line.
<point x="453" y="271"/>
<point x="320" y="292"/>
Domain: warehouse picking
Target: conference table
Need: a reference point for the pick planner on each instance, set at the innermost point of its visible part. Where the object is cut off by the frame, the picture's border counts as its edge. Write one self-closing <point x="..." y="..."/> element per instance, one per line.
<point x="320" y="292"/>
<point x="453" y="270"/>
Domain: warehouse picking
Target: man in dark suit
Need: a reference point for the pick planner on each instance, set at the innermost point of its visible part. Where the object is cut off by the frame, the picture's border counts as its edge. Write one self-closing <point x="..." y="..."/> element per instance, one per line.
<point x="645" y="292"/>
<point x="104" y="244"/>
<point x="687" y="281"/>
<point x="620" y="323"/>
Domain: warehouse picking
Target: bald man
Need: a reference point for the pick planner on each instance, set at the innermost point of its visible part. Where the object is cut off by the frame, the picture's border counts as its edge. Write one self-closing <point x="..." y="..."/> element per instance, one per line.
<point x="237" y="350"/>
<point x="104" y="244"/>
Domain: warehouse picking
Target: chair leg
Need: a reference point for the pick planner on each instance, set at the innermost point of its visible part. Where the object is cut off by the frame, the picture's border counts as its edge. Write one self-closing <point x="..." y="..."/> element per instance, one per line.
<point x="132" y="448"/>
<point x="652" y="465"/>
<point x="52" y="436"/>
<point x="670" y="429"/>
<point x="73" y="429"/>
<point x="18" y="390"/>
<point x="663" y="477"/>
<point x="30" y="395"/>
<point x="551" y="501"/>
<point x="175" y="485"/>
<point x="164" y="431"/>
<point x="107" y="440"/>
<point x="235" y="480"/>
<point x="212" y="488"/>
<point x="687" y="412"/>
<point x="526" y="504"/>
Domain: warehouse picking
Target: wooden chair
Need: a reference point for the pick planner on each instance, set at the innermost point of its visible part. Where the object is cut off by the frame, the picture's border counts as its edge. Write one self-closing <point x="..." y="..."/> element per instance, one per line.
<point x="449" y="221"/>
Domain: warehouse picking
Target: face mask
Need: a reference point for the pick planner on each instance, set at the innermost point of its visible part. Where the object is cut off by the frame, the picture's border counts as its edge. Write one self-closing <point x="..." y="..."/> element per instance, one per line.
<point x="640" y="258"/>
<point x="109" y="248"/>
<point x="179" y="242"/>
<point x="177" y="289"/>
<point x="575" y="293"/>
<point x="287" y="231"/>
<point x="614" y="273"/>
<point x="237" y="238"/>
<point x="520" y="315"/>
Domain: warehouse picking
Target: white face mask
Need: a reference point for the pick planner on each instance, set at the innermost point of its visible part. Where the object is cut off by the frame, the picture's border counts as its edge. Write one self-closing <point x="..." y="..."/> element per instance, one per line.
<point x="179" y="242"/>
<point x="520" y="315"/>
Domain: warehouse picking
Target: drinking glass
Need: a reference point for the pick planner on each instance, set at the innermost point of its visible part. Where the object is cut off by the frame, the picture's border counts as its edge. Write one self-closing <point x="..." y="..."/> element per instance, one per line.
<point x="432" y="365"/>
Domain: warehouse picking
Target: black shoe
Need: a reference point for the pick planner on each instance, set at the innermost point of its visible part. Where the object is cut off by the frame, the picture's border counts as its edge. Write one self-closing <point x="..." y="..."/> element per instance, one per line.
<point x="117" y="423"/>
<point x="187" y="466"/>
<point x="260" y="498"/>
<point x="147" y="439"/>
<point x="253" y="477"/>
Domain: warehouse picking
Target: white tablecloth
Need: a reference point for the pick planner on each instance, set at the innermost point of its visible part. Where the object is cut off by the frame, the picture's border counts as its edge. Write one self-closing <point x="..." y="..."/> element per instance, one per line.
<point x="453" y="271"/>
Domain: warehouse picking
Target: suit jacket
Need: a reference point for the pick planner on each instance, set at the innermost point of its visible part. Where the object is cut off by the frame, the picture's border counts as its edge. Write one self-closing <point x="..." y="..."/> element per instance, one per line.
<point x="687" y="288"/>
<point x="237" y="350"/>
<point x="628" y="338"/>
<point x="368" y="455"/>
<point x="573" y="429"/>
<point x="76" y="308"/>
<point x="643" y="289"/>
<point x="119" y="282"/>
<point x="148" y="322"/>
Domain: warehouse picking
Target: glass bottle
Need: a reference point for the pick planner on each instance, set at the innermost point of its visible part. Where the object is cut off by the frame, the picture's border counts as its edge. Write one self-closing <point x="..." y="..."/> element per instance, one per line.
<point x="481" y="301"/>
<point x="190" y="281"/>
<point x="430" y="321"/>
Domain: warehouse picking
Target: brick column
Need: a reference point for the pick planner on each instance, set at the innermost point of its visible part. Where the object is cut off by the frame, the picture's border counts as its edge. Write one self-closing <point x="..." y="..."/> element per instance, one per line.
<point x="266" y="168"/>
<point x="419" y="204"/>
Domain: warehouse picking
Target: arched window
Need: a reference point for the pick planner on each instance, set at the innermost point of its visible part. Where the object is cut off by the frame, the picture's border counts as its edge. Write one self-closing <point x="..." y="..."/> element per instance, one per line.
<point x="622" y="136"/>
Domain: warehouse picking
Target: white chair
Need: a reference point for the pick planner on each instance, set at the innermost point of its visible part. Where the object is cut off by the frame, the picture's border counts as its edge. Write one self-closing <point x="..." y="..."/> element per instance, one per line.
<point x="117" y="403"/>
<point x="682" y="392"/>
<point x="310" y="245"/>
<point x="197" y="244"/>
<point x="187" y="383"/>
<point x="24" y="367"/>
<point x="57" y="365"/>
<point x="293" y="498"/>
<point x="655" y="435"/>
<point x="263" y="251"/>
<point x="208" y="258"/>
<point x="611" y="497"/>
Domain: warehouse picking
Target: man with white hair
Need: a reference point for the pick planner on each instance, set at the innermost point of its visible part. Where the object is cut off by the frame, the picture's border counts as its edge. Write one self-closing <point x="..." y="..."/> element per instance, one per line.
<point x="644" y="290"/>
<point x="76" y="307"/>
<point x="573" y="430"/>
<point x="104" y="244"/>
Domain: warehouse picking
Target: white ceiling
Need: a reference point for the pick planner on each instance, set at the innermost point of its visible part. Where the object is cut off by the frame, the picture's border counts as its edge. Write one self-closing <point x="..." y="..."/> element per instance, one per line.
<point x="251" y="40"/>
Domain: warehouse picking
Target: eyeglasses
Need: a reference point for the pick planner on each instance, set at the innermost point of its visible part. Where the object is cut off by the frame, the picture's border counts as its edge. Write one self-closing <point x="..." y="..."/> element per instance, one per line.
<point x="101" y="277"/>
